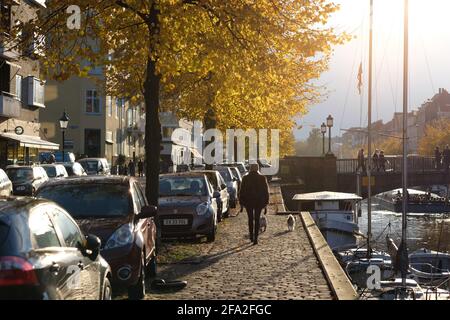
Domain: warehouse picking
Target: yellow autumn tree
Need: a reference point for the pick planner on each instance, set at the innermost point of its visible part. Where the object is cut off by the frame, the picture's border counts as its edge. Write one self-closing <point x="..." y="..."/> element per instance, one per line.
<point x="437" y="134"/>
<point x="251" y="62"/>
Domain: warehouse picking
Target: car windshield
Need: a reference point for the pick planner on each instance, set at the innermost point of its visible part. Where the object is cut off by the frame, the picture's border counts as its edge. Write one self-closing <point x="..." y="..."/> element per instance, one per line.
<point x="51" y="171"/>
<point x="20" y="174"/>
<point x="182" y="186"/>
<point x="225" y="174"/>
<point x="90" y="166"/>
<point x="69" y="170"/>
<point x="213" y="179"/>
<point x="84" y="200"/>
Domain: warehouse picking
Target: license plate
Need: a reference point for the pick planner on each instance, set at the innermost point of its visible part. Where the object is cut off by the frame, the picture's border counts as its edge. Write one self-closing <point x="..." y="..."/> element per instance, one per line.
<point x="176" y="222"/>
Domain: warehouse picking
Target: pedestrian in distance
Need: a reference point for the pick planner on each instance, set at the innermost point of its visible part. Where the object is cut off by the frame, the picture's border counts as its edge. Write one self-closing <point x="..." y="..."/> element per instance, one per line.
<point x="254" y="196"/>
<point x="140" y="168"/>
<point x="446" y="157"/>
<point x="438" y="158"/>
<point x="382" y="161"/>
<point x="361" y="161"/>
<point x="375" y="161"/>
<point x="131" y="168"/>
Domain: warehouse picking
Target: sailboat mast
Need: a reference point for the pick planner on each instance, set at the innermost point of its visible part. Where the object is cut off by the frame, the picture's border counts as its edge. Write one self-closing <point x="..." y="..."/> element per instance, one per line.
<point x="369" y="138"/>
<point x="405" y="129"/>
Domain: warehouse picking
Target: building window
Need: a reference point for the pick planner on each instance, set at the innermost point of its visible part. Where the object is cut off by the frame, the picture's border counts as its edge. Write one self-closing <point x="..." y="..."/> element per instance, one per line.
<point x="92" y="101"/>
<point x="36" y="92"/>
<point x="19" y="87"/>
<point x="130" y="118"/>
<point x="109" y="106"/>
<point x="5" y="17"/>
<point x="118" y="108"/>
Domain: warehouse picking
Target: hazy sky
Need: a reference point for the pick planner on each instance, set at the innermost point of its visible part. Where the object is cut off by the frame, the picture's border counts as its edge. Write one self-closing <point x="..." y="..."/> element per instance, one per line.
<point x="429" y="61"/>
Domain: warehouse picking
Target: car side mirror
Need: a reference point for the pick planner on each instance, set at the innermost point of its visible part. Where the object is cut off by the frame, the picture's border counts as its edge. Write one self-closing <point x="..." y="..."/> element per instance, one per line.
<point x="92" y="246"/>
<point x="148" y="212"/>
<point x="216" y="194"/>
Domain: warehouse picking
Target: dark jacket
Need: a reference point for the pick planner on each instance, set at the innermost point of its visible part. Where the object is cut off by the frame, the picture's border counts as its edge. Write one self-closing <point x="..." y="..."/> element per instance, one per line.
<point x="254" y="192"/>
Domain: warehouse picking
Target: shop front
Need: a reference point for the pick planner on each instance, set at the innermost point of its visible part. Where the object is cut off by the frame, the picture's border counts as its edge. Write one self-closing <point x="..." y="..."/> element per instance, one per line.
<point x="22" y="149"/>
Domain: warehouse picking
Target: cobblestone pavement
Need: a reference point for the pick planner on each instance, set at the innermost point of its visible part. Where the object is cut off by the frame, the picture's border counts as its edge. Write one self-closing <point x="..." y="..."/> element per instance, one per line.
<point x="282" y="266"/>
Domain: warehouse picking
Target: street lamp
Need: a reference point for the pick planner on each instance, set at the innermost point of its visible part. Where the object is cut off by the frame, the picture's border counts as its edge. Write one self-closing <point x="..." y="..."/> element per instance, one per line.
<point x="323" y="129"/>
<point x="63" y="123"/>
<point x="330" y="122"/>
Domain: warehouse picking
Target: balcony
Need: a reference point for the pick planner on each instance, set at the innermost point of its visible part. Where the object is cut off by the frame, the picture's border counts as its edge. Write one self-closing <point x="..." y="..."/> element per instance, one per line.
<point x="8" y="54"/>
<point x="9" y="106"/>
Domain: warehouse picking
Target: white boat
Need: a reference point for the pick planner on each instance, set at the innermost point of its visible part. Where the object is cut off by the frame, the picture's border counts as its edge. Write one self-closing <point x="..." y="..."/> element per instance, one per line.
<point x="335" y="215"/>
<point x="430" y="267"/>
<point x="399" y="289"/>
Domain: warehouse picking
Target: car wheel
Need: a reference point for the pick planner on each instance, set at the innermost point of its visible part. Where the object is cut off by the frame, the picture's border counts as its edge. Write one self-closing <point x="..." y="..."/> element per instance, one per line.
<point x="152" y="267"/>
<point x="107" y="290"/>
<point x="211" y="237"/>
<point x="137" y="291"/>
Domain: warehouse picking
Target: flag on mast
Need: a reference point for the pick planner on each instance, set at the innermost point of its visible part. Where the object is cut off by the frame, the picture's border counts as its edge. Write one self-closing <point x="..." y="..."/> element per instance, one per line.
<point x="360" y="79"/>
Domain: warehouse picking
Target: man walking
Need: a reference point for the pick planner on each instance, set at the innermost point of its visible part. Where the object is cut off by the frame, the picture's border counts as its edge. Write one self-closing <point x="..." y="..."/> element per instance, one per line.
<point x="254" y="196"/>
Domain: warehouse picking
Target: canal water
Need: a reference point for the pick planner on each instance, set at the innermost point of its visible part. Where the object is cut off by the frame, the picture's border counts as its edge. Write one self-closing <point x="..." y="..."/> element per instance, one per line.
<point x="423" y="231"/>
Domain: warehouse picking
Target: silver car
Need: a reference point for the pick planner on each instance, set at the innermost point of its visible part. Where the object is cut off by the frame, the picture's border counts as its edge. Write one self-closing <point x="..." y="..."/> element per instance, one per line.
<point x="6" y="187"/>
<point x="232" y="184"/>
<point x="187" y="207"/>
<point x="220" y="192"/>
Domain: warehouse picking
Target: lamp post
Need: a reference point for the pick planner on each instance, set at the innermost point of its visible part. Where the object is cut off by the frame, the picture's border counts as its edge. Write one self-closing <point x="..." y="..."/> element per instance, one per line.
<point x="330" y="122"/>
<point x="64" y="123"/>
<point x="323" y="129"/>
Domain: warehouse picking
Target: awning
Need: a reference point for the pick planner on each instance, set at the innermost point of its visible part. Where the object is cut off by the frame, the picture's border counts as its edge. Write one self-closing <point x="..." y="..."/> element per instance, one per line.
<point x="30" y="141"/>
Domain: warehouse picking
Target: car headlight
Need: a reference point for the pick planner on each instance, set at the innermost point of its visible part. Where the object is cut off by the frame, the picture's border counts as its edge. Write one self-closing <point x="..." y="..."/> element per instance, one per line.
<point x="121" y="237"/>
<point x="202" y="209"/>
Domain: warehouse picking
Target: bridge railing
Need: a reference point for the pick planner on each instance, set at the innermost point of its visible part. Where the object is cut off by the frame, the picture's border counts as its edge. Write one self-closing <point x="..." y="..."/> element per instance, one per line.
<point x="394" y="164"/>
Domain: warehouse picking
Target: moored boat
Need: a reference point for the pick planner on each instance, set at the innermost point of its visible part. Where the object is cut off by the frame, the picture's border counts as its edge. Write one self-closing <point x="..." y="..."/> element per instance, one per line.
<point x="335" y="215"/>
<point x="418" y="202"/>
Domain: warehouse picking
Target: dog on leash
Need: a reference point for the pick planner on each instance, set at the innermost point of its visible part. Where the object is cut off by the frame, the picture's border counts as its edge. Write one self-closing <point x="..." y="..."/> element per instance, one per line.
<point x="263" y="222"/>
<point x="291" y="221"/>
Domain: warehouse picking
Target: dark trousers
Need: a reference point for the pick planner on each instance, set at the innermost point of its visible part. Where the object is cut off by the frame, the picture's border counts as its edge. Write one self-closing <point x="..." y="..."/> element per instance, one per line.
<point x="254" y="214"/>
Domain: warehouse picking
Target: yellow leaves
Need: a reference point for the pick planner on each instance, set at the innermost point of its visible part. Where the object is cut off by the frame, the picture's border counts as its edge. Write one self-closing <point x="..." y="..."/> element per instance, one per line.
<point x="437" y="134"/>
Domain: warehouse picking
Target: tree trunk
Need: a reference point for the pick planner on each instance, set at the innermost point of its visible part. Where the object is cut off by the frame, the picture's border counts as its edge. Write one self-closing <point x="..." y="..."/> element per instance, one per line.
<point x="152" y="133"/>
<point x="152" y="125"/>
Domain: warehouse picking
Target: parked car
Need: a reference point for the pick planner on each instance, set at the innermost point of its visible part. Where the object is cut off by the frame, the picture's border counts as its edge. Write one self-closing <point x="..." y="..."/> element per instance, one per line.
<point x="116" y="210"/>
<point x="220" y="192"/>
<point x="55" y="171"/>
<point x="75" y="169"/>
<point x="187" y="206"/>
<point x="44" y="255"/>
<point x="240" y="165"/>
<point x="26" y="180"/>
<point x="95" y="166"/>
<point x="237" y="175"/>
<point x="6" y="186"/>
<point x="232" y="184"/>
<point x="69" y="157"/>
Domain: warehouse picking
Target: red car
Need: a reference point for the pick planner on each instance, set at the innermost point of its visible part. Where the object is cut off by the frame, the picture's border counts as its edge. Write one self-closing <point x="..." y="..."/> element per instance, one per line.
<point x="116" y="210"/>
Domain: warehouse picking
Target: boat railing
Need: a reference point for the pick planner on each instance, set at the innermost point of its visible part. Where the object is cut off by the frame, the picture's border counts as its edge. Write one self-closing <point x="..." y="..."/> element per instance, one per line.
<point x="433" y="270"/>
